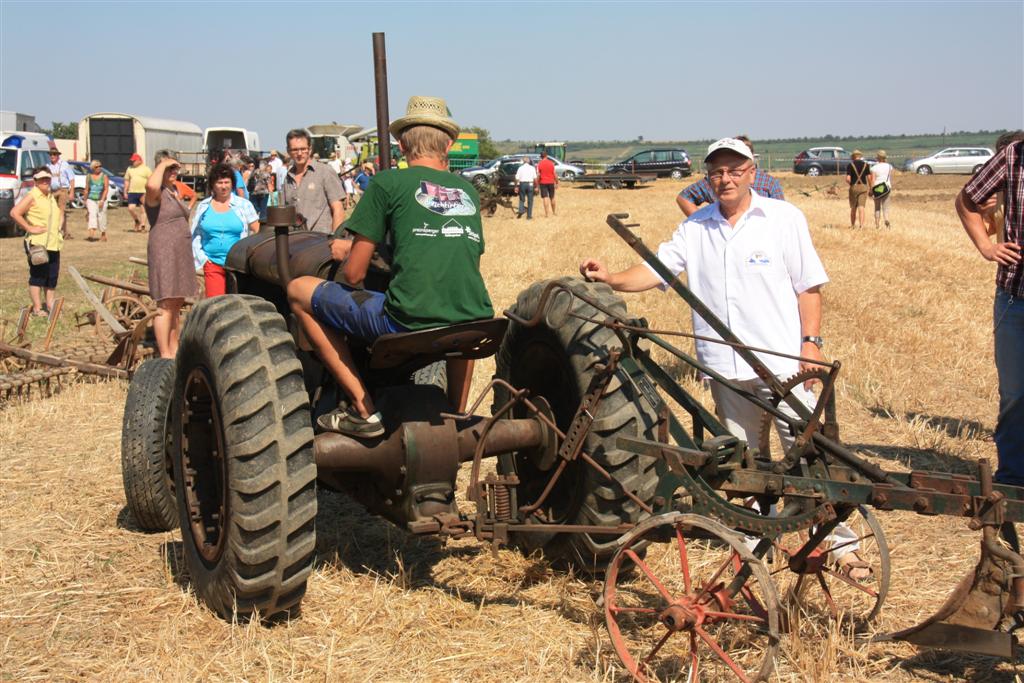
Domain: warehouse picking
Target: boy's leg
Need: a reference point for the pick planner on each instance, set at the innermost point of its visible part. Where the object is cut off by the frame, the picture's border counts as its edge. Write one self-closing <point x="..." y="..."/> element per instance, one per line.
<point x="329" y="344"/>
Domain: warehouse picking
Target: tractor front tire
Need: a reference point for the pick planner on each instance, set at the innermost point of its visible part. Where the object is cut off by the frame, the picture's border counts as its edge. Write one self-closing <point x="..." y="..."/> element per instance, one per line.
<point x="243" y="459"/>
<point x="558" y="363"/>
<point x="145" y="456"/>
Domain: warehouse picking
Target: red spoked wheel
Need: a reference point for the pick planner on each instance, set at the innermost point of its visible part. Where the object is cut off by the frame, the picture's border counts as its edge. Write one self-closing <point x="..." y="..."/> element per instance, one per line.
<point x="845" y="576"/>
<point x="700" y="607"/>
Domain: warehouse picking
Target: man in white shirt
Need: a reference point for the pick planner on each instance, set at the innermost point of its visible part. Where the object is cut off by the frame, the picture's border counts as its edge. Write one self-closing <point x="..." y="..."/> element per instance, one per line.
<point x="526" y="177"/>
<point x="278" y="168"/>
<point x="751" y="261"/>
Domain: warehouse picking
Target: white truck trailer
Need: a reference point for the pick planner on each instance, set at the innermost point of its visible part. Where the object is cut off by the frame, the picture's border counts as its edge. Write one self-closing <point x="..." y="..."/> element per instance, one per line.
<point x="114" y="137"/>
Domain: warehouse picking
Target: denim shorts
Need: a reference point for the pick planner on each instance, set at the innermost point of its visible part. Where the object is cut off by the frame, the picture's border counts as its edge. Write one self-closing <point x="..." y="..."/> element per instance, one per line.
<point x="358" y="313"/>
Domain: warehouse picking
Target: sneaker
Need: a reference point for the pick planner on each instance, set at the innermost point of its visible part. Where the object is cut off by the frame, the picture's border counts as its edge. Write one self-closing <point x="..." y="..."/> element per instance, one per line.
<point x="346" y="421"/>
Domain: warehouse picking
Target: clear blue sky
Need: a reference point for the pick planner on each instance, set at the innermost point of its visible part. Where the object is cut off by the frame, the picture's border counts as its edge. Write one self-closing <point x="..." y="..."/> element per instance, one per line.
<point x="527" y="70"/>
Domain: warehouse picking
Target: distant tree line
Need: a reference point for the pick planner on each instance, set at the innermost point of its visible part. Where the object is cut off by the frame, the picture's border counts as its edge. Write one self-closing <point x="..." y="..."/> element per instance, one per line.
<point x="62" y="131"/>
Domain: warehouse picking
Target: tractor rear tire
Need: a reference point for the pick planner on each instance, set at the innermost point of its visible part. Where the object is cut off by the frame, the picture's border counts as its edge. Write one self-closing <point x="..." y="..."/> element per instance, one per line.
<point x="243" y="459"/>
<point x="558" y="363"/>
<point x="145" y="455"/>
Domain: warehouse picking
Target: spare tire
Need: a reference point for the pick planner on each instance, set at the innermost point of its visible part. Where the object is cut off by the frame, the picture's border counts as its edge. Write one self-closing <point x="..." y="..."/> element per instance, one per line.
<point x="145" y="456"/>
<point x="243" y="459"/>
<point x="558" y="363"/>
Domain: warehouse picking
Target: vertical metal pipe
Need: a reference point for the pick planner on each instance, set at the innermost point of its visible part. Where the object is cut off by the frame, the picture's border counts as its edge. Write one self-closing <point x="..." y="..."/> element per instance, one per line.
<point x="284" y="275"/>
<point x="380" y="80"/>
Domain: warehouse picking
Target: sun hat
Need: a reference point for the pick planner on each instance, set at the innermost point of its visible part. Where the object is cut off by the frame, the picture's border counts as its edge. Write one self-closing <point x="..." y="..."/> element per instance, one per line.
<point x="426" y="111"/>
<point x="881" y="154"/>
<point x="856" y="154"/>
<point x="54" y="150"/>
<point x="135" y="157"/>
<point x="41" y="174"/>
<point x="730" y="144"/>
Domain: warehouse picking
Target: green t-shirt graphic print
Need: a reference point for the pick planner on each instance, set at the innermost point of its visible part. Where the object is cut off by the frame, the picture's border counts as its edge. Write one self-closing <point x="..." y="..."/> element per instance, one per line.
<point x="434" y="218"/>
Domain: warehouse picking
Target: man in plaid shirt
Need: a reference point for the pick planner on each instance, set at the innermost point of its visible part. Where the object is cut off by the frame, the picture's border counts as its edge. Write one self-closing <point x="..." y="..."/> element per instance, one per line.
<point x="1003" y="173"/>
<point x="700" y="192"/>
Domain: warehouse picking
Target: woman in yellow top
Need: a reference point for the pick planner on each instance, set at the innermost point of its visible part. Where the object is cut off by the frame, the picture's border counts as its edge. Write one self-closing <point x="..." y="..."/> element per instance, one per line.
<point x="38" y="214"/>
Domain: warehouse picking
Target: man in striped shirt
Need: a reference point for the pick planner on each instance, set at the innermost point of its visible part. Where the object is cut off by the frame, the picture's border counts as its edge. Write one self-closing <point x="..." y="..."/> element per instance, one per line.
<point x="1003" y="173"/>
<point x="701" y="193"/>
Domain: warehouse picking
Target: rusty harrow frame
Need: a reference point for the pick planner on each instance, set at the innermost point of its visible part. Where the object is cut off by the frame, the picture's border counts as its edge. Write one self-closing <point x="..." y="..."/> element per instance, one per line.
<point x="118" y="323"/>
<point x="703" y="507"/>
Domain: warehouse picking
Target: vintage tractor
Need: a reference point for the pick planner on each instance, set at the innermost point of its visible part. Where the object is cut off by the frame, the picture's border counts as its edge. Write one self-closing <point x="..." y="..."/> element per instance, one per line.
<point x="221" y="441"/>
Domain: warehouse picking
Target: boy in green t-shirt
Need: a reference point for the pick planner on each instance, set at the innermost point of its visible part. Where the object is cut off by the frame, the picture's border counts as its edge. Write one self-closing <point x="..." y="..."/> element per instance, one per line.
<point x="434" y="219"/>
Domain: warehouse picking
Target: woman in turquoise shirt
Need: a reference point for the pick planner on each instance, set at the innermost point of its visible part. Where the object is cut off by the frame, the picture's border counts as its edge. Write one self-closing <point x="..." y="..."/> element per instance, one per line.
<point x="220" y="220"/>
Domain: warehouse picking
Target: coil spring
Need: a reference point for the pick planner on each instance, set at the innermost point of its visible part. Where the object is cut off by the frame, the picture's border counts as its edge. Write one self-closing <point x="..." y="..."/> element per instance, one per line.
<point x="502" y="503"/>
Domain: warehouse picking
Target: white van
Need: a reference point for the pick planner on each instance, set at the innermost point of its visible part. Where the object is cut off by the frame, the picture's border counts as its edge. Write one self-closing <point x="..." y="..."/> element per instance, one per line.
<point x="20" y="154"/>
<point x="235" y="139"/>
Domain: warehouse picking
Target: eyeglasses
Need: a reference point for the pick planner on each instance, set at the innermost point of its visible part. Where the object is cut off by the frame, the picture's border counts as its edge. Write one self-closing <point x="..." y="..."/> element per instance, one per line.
<point x="734" y="173"/>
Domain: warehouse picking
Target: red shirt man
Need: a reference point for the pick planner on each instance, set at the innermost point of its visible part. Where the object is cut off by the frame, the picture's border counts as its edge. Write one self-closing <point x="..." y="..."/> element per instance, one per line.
<point x="548" y="179"/>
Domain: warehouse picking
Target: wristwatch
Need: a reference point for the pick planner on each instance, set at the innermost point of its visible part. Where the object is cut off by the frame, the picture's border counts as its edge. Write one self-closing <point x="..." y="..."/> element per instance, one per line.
<point x="817" y="341"/>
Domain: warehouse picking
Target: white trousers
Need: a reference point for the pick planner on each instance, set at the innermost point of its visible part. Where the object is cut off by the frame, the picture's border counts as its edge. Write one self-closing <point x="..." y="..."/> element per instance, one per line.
<point x="97" y="214"/>
<point x="743" y="420"/>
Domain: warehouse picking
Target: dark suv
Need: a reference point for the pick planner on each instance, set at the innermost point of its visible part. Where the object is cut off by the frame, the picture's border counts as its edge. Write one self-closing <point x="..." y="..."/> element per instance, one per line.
<point x="674" y="163"/>
<point x="822" y="161"/>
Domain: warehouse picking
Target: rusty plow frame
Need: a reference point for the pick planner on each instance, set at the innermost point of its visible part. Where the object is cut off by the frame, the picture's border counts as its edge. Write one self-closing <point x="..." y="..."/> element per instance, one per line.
<point x="816" y="485"/>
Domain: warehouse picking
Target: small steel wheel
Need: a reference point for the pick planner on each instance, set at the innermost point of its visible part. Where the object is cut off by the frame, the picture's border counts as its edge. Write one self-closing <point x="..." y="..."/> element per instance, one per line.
<point x="825" y="582"/>
<point x="128" y="309"/>
<point x="698" y="607"/>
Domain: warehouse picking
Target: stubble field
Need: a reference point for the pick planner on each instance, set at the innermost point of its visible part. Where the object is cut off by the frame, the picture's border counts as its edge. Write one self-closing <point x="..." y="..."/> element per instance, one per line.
<point x="86" y="596"/>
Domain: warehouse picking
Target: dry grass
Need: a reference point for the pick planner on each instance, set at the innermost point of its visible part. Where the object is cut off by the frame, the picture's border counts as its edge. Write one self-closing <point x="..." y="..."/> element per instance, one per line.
<point x="85" y="596"/>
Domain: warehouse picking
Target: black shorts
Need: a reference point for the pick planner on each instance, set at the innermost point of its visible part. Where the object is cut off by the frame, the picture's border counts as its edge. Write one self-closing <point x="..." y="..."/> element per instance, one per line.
<point x="45" y="275"/>
<point x="547" y="190"/>
<point x="135" y="198"/>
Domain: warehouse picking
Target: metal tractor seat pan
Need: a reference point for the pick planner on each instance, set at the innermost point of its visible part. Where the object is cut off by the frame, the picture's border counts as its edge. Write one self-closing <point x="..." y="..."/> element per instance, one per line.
<point x="476" y="339"/>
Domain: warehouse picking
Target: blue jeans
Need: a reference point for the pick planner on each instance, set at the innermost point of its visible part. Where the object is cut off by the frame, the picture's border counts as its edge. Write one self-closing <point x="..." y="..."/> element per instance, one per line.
<point x="259" y="202"/>
<point x="1008" y="320"/>
<point x="526" y="195"/>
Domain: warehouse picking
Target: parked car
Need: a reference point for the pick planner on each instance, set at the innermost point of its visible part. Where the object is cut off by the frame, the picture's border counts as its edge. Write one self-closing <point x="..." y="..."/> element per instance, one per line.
<point x="481" y="175"/>
<point x="822" y="161"/>
<point x="672" y="163"/>
<point x="81" y="169"/>
<point x="951" y="160"/>
<point x="18" y="159"/>
<point x="505" y="177"/>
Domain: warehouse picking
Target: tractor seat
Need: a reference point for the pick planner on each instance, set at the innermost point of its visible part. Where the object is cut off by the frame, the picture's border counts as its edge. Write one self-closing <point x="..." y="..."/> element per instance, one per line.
<point x="476" y="339"/>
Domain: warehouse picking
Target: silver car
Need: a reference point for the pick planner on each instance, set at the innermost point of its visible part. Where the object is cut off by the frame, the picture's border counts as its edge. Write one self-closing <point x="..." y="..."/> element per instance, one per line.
<point x="951" y="160"/>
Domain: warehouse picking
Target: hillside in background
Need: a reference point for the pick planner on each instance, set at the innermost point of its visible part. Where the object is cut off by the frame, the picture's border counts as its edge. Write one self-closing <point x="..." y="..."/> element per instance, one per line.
<point x="774" y="153"/>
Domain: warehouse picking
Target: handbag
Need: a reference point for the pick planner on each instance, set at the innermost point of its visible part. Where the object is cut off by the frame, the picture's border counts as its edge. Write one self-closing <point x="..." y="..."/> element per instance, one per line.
<point x="880" y="190"/>
<point x="37" y="254"/>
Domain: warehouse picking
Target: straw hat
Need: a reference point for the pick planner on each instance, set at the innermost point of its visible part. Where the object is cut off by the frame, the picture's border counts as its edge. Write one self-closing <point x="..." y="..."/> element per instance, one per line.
<point x="881" y="155"/>
<point x="857" y="154"/>
<point x="426" y="111"/>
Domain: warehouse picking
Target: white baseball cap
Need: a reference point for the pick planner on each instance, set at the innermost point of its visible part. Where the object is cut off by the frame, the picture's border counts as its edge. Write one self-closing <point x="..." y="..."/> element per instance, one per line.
<point x="731" y="144"/>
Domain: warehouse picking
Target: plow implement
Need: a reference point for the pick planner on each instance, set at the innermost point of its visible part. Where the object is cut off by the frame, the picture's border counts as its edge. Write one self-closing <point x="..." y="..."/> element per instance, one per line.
<point x="748" y="529"/>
